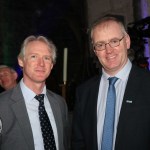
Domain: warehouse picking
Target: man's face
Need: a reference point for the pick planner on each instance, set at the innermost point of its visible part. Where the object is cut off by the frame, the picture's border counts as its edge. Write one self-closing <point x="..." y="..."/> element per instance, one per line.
<point x="37" y="63"/>
<point x="7" y="78"/>
<point x="112" y="59"/>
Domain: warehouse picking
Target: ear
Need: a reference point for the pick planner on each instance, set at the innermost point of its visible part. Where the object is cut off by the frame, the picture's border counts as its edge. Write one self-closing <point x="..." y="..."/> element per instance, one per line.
<point x="95" y="53"/>
<point x="52" y="66"/>
<point x="20" y="62"/>
<point x="128" y="41"/>
<point x="15" y="75"/>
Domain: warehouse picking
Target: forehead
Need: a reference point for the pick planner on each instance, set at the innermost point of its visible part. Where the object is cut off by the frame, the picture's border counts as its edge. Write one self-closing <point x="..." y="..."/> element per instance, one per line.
<point x="4" y="70"/>
<point x="37" y="47"/>
<point x="109" y="29"/>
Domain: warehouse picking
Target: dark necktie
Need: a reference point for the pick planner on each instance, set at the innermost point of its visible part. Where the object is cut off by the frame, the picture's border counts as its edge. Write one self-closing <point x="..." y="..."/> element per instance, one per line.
<point x="108" y="129"/>
<point x="46" y="128"/>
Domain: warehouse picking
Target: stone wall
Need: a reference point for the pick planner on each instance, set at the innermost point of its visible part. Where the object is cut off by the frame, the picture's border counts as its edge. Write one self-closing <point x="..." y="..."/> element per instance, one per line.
<point x="99" y="8"/>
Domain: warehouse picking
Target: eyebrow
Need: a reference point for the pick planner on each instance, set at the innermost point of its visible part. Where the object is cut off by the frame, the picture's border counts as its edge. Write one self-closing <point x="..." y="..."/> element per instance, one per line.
<point x="108" y="40"/>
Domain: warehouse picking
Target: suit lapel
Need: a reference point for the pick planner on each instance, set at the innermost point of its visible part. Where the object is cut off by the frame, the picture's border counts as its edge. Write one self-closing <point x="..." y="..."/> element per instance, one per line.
<point x="91" y="111"/>
<point x="131" y="88"/>
<point x="56" y="112"/>
<point x="128" y="100"/>
<point x="20" y="111"/>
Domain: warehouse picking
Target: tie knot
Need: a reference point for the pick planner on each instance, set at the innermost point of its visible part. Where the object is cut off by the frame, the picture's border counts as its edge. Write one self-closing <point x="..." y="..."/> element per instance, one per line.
<point x="112" y="80"/>
<point x="39" y="97"/>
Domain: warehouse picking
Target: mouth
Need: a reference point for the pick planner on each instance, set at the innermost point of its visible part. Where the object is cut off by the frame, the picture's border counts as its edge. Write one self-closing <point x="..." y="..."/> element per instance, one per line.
<point x="40" y="70"/>
<point x="111" y="57"/>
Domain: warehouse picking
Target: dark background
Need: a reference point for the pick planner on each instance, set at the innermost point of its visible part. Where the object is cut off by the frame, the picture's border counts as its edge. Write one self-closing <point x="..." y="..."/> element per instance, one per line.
<point x="65" y="23"/>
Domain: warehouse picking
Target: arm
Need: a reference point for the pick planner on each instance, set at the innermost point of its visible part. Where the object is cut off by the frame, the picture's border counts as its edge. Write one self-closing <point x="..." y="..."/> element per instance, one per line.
<point x="77" y="135"/>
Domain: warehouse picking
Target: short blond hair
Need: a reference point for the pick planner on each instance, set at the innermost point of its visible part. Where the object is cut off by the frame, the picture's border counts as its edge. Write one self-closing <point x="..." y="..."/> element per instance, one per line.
<point x="50" y="44"/>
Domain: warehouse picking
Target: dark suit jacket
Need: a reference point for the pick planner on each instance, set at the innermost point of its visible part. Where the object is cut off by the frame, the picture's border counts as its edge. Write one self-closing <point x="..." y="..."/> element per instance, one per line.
<point x="16" y="131"/>
<point x="133" y="131"/>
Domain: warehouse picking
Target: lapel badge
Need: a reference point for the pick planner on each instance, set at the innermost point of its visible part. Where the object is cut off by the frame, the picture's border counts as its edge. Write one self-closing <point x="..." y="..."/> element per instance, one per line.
<point x="129" y="101"/>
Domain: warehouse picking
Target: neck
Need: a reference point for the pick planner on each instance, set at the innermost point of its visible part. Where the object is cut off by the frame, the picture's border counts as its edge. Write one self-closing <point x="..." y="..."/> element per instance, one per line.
<point x="35" y="87"/>
<point x="10" y="87"/>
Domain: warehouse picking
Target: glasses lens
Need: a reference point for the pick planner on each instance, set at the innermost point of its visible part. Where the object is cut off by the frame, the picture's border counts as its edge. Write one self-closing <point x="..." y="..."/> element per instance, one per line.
<point x="99" y="46"/>
<point x="114" y="43"/>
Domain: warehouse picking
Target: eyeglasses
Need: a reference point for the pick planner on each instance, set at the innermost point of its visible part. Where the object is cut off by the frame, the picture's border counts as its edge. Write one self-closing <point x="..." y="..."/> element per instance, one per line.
<point x="99" y="46"/>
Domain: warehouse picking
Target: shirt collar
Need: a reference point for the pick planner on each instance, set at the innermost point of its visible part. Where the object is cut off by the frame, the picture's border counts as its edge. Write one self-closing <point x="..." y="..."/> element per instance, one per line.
<point x="28" y="94"/>
<point x="122" y="74"/>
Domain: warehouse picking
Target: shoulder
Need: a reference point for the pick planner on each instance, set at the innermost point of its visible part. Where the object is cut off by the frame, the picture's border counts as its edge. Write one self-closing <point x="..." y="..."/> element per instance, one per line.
<point x="140" y="72"/>
<point x="57" y="101"/>
<point x="6" y="94"/>
<point x="139" y="78"/>
<point x="12" y="94"/>
<point x="55" y="97"/>
<point x="5" y="102"/>
<point x="90" y="83"/>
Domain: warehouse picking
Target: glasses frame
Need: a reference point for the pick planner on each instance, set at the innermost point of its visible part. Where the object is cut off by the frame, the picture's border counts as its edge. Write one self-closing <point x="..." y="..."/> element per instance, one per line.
<point x="119" y="40"/>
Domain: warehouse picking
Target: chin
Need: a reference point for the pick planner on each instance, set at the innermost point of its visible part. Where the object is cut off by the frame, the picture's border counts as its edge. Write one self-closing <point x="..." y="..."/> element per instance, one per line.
<point x="39" y="79"/>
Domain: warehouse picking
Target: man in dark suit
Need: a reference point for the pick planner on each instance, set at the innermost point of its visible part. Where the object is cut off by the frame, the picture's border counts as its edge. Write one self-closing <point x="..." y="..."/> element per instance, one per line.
<point x="132" y="109"/>
<point x="19" y="117"/>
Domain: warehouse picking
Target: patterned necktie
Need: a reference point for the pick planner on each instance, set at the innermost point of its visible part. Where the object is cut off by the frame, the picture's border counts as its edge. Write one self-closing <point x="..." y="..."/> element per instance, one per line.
<point x="46" y="128"/>
<point x="108" y="129"/>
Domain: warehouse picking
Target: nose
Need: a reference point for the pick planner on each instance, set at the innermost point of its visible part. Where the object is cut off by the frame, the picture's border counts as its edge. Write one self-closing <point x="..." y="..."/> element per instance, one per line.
<point x="41" y="62"/>
<point x="109" y="49"/>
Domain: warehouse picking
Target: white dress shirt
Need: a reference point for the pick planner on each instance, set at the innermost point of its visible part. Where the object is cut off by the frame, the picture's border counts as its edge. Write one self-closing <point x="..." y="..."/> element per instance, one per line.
<point x="120" y="86"/>
<point x="32" y="109"/>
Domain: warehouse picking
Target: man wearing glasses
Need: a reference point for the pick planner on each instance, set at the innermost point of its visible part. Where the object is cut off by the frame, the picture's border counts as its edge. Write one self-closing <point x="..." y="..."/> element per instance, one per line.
<point x="113" y="116"/>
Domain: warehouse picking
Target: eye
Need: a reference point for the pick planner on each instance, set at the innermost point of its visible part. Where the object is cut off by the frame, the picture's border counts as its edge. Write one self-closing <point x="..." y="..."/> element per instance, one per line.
<point x="99" y="45"/>
<point x="32" y="57"/>
<point x="6" y="74"/>
<point x="47" y="58"/>
<point x="114" y="41"/>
